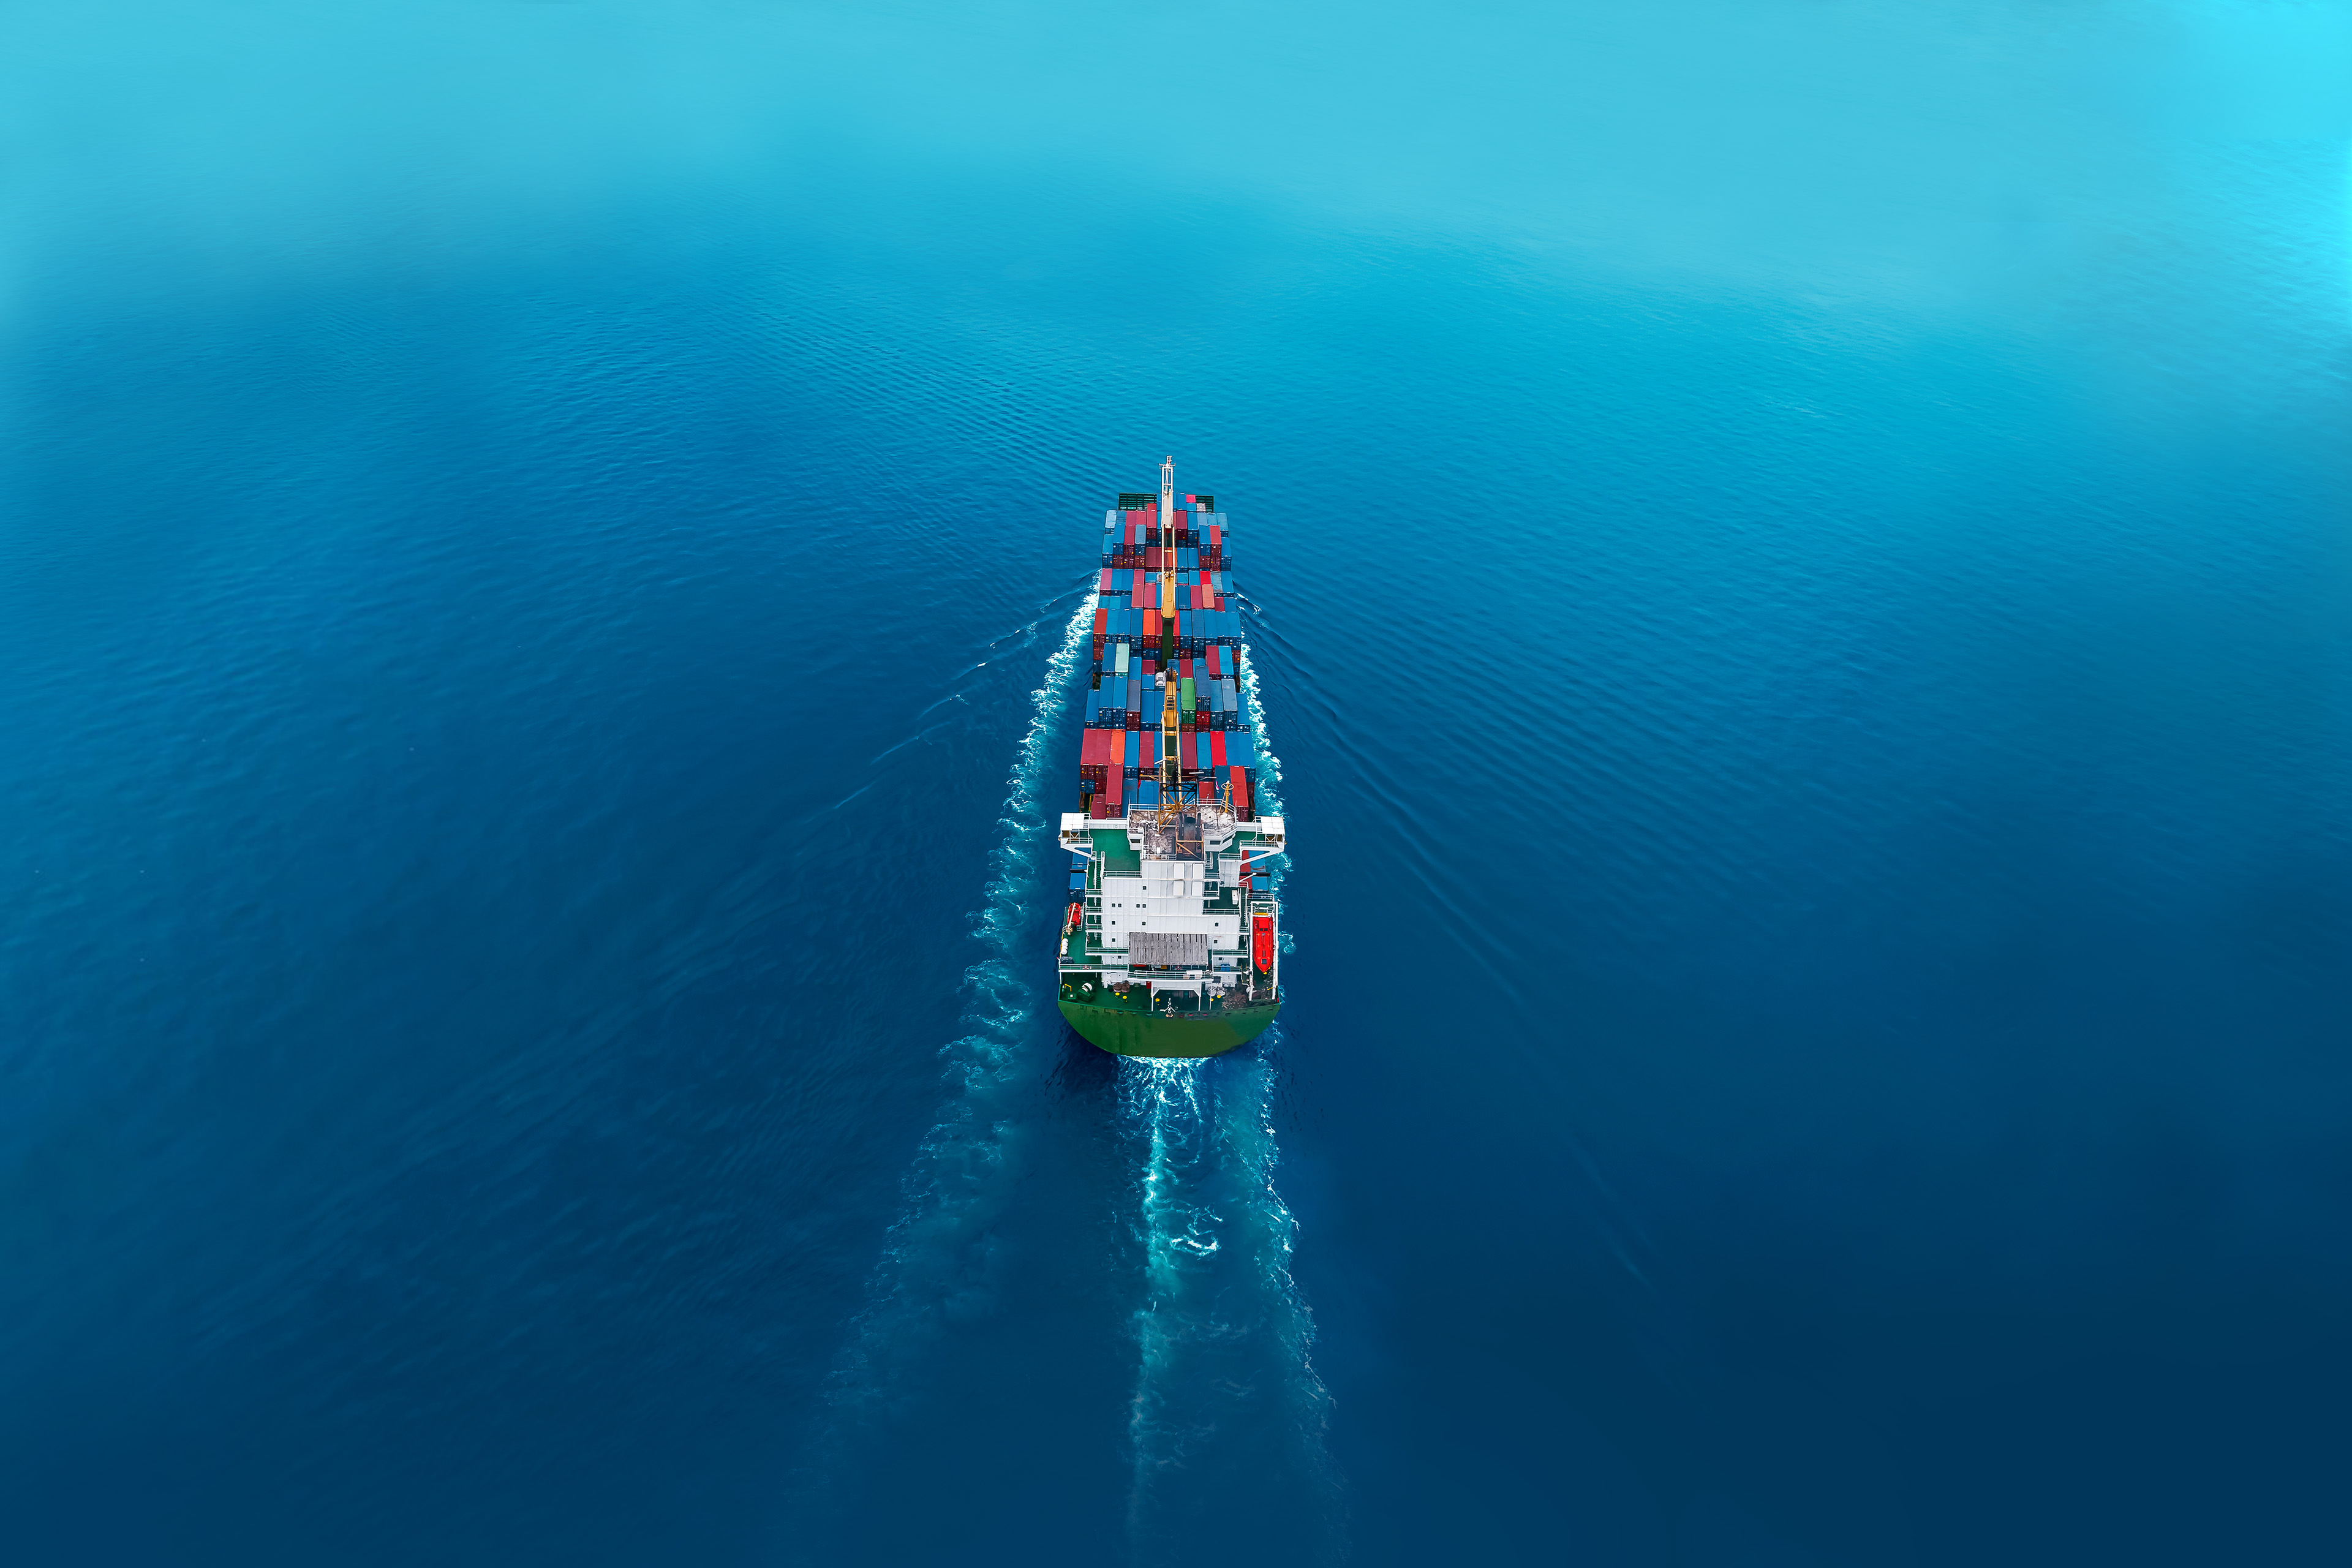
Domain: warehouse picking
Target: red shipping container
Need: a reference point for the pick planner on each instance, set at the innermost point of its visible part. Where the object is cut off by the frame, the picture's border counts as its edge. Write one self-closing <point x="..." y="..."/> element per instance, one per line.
<point x="1216" y="747"/>
<point x="1152" y="625"/>
<point x="1148" y="756"/>
<point x="1102" y="617"/>
<point x="1216" y="661"/>
<point x="1117" y="780"/>
<point x="1241" y="792"/>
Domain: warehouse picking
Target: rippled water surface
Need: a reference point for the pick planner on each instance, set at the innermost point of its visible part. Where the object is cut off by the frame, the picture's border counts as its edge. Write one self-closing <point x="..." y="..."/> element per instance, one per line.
<point x="1798" y="568"/>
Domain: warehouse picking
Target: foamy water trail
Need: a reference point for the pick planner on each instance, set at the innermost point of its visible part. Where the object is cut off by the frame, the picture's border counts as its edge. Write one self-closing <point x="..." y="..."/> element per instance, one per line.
<point x="1228" y="1418"/>
<point x="937" y="1263"/>
<point x="1227" y="1406"/>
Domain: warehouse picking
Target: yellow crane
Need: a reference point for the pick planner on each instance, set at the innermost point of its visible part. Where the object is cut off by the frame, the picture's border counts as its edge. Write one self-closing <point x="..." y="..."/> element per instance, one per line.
<point x="1171" y="764"/>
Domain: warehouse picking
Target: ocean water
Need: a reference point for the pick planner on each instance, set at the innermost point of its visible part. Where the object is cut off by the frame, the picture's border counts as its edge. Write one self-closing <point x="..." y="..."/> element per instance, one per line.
<point x="1798" y="566"/>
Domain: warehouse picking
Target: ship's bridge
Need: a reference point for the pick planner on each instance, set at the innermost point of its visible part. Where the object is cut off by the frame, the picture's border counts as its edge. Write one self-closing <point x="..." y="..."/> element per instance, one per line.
<point x="1180" y="832"/>
<point x="1168" y="902"/>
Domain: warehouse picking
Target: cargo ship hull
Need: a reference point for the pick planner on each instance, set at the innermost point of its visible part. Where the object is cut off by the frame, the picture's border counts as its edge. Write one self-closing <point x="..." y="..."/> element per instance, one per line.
<point x="1129" y="1032"/>
<point x="1171" y="940"/>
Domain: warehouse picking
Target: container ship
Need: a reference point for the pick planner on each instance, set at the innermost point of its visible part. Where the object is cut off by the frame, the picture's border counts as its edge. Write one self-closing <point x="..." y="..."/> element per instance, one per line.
<point x="1170" y="942"/>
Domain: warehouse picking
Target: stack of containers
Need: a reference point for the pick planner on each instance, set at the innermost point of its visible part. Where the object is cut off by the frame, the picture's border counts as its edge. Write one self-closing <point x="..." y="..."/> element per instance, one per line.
<point x="1119" y="754"/>
<point x="1142" y="746"/>
<point x="1242" y="763"/>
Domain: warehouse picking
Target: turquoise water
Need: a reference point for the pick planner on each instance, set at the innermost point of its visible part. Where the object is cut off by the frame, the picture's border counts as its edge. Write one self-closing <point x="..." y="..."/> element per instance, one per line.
<point x="1798" y="577"/>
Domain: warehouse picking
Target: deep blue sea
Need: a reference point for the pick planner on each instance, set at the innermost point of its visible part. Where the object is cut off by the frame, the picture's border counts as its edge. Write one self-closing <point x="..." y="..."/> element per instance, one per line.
<point x="1799" y="563"/>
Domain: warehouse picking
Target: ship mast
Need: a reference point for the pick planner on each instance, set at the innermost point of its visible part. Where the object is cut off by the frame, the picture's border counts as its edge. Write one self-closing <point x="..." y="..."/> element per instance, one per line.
<point x="1170" y="764"/>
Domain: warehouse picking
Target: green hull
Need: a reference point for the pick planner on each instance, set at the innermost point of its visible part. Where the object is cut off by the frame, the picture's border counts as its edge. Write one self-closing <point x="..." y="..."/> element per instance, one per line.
<point x="1129" y="1032"/>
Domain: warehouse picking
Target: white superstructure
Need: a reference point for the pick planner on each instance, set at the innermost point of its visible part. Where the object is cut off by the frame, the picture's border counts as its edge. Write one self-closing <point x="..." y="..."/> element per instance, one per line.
<point x="1190" y="877"/>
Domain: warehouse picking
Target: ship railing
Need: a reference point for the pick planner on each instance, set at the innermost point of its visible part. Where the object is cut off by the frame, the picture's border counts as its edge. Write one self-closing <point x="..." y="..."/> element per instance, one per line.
<point x="1210" y="999"/>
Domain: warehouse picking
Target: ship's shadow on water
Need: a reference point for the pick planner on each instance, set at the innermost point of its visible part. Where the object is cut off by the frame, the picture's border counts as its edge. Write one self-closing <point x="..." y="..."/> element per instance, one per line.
<point x="1083" y="1072"/>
